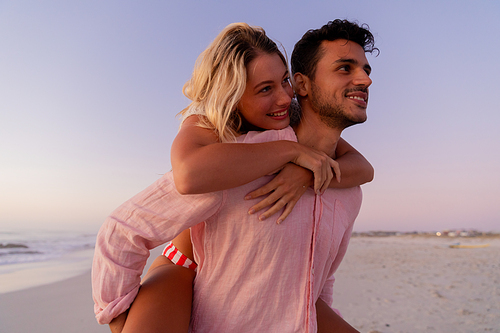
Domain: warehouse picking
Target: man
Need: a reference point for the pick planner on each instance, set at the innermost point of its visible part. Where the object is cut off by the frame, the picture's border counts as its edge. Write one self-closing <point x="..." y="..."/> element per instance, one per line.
<point x="331" y="75"/>
<point x="283" y="275"/>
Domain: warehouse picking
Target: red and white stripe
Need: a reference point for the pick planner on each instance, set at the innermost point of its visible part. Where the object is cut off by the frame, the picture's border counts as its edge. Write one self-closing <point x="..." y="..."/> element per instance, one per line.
<point x="176" y="256"/>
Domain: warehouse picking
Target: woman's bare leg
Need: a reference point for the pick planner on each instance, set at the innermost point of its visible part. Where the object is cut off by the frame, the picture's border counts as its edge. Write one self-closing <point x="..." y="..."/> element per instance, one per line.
<point x="163" y="303"/>
<point x="329" y="321"/>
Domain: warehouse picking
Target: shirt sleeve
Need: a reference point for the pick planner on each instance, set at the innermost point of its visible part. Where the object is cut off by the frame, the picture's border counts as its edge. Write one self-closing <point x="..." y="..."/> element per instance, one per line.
<point x="270" y="135"/>
<point x="151" y="218"/>
<point x="192" y="110"/>
<point x="351" y="213"/>
<point x="327" y="292"/>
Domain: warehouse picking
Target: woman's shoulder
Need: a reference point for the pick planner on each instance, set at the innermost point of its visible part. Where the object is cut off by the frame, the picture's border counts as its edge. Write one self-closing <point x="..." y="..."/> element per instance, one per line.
<point x="192" y="110"/>
<point x="286" y="133"/>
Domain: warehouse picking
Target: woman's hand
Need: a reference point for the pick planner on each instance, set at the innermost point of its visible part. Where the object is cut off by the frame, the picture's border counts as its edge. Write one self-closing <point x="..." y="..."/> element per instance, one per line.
<point x="322" y="166"/>
<point x="285" y="190"/>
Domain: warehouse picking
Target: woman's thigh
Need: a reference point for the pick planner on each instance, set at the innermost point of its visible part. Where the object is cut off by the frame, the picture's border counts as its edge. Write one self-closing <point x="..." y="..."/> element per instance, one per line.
<point x="164" y="301"/>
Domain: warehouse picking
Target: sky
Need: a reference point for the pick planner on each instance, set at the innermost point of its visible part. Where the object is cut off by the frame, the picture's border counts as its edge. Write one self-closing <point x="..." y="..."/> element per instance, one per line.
<point x="89" y="92"/>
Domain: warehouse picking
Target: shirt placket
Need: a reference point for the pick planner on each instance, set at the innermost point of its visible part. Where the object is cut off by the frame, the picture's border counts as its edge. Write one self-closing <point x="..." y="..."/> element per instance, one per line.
<point x="317" y="214"/>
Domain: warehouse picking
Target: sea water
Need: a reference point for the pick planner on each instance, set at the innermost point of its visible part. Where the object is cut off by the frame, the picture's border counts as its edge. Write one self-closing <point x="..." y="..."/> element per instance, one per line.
<point x="37" y="257"/>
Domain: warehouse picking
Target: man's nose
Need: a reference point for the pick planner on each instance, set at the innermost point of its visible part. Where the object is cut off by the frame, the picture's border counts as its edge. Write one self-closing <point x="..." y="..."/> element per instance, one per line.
<point x="362" y="79"/>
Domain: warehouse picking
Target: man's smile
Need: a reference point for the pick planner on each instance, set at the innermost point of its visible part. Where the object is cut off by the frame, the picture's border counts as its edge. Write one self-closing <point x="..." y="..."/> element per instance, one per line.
<point x="359" y="96"/>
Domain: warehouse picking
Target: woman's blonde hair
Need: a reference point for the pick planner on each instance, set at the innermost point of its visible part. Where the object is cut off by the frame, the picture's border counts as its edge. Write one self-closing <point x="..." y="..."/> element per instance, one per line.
<point x="219" y="77"/>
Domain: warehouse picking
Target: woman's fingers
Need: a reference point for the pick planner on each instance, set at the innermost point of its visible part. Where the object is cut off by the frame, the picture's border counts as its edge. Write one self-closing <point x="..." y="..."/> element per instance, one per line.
<point x="284" y="191"/>
<point x="263" y="204"/>
<point x="328" y="179"/>
<point x="320" y="164"/>
<point x="273" y="210"/>
<point x="269" y="187"/>
<point x="336" y="169"/>
<point x="288" y="209"/>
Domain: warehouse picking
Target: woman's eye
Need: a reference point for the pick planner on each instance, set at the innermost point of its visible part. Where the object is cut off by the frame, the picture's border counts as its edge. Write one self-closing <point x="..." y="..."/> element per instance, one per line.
<point x="265" y="89"/>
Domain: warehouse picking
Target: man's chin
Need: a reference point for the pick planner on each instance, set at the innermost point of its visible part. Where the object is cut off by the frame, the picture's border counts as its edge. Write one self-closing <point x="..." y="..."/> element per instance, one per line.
<point x="359" y="117"/>
<point x="354" y="121"/>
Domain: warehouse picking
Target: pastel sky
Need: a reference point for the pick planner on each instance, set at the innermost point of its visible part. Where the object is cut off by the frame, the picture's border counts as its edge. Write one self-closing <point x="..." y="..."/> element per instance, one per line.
<point x="89" y="91"/>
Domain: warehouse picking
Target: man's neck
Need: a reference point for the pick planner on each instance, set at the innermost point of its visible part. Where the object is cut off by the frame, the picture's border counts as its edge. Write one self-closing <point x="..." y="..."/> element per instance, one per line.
<point x="312" y="132"/>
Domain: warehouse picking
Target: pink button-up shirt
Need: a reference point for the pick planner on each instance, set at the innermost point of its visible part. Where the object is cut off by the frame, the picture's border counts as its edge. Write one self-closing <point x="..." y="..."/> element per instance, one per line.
<point x="251" y="274"/>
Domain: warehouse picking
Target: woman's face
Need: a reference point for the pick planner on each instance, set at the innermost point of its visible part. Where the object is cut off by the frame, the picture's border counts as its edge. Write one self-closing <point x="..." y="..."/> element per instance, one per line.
<point x="268" y="94"/>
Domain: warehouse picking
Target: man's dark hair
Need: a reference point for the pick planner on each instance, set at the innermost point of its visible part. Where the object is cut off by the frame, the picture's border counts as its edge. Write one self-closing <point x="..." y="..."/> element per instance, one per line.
<point x="307" y="51"/>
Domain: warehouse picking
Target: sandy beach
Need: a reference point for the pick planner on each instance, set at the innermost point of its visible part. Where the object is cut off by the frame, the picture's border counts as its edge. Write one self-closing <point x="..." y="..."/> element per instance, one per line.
<point x="420" y="284"/>
<point x="385" y="284"/>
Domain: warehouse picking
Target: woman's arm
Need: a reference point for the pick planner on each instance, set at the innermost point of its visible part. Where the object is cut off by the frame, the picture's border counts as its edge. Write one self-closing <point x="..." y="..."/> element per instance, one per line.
<point x="140" y="224"/>
<point x="201" y="164"/>
<point x="291" y="182"/>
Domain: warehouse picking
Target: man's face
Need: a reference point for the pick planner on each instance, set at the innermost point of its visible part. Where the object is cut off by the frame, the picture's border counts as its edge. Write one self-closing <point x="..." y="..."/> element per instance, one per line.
<point x="339" y="91"/>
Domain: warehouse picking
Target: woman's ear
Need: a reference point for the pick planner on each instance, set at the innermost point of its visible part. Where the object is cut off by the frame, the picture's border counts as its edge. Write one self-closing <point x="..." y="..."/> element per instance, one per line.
<point x="301" y="84"/>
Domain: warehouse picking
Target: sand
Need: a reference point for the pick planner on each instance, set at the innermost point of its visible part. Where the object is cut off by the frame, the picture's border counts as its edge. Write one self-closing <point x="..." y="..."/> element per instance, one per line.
<point x="419" y="284"/>
<point x="385" y="284"/>
<point x="65" y="306"/>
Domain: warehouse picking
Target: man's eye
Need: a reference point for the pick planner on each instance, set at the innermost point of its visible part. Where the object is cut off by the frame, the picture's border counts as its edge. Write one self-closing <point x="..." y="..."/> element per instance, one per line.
<point x="345" y="68"/>
<point x="286" y="80"/>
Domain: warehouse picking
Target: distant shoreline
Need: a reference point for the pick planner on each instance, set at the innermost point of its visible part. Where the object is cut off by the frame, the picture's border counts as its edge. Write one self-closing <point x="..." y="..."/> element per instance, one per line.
<point x="437" y="234"/>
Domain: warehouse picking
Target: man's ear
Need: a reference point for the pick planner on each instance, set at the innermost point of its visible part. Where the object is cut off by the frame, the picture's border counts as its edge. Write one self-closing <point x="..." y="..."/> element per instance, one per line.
<point x="301" y="84"/>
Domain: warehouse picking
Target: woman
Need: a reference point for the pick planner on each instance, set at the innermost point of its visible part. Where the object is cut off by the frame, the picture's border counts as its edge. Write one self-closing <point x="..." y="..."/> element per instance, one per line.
<point x="262" y="105"/>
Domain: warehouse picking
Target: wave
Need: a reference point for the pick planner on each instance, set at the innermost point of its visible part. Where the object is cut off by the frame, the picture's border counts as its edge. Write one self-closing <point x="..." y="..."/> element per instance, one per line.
<point x="13" y="246"/>
<point x="34" y="246"/>
<point x="19" y="252"/>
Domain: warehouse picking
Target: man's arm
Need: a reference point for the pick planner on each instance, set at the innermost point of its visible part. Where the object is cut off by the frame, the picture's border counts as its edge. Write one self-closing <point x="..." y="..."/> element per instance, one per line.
<point x="355" y="168"/>
<point x="329" y="321"/>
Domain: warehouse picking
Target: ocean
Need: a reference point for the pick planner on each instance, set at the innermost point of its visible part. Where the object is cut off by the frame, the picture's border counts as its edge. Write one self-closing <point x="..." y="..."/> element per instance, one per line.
<point x="37" y="257"/>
